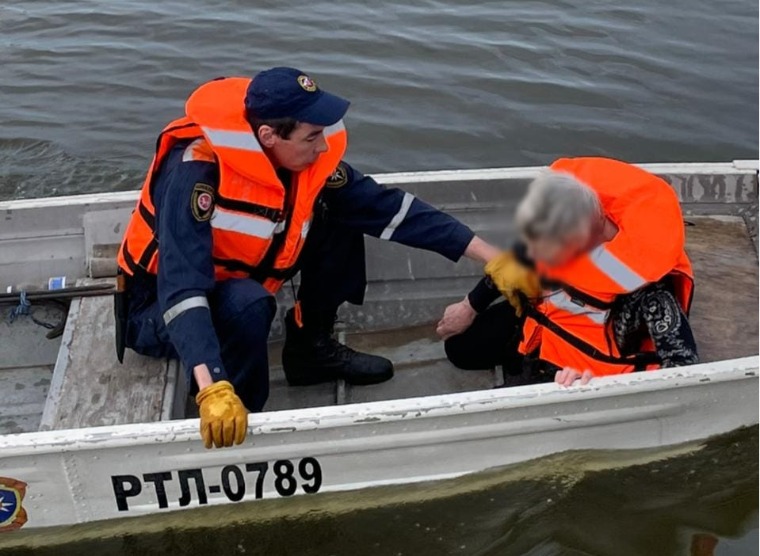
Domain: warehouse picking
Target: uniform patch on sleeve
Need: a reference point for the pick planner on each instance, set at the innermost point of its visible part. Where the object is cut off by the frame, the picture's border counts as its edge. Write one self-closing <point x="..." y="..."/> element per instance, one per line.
<point x="339" y="177"/>
<point x="202" y="201"/>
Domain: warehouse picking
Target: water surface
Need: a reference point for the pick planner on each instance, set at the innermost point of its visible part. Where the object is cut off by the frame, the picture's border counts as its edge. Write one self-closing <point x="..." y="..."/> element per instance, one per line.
<point x="87" y="85"/>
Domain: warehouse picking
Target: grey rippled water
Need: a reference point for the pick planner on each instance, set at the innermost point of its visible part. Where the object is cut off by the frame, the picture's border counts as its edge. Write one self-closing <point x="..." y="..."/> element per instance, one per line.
<point x="87" y="85"/>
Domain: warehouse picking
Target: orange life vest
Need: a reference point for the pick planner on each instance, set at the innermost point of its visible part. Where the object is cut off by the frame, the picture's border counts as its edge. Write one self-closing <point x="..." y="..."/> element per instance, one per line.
<point x="571" y="325"/>
<point x="258" y="227"/>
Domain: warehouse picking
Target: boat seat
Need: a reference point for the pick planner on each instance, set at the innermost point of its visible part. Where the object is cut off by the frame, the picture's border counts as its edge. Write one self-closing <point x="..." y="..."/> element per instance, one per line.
<point x="90" y="388"/>
<point x="103" y="231"/>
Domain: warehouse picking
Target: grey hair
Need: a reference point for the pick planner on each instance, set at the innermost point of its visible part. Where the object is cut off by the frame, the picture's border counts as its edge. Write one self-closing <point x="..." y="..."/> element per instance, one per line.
<point x="555" y="206"/>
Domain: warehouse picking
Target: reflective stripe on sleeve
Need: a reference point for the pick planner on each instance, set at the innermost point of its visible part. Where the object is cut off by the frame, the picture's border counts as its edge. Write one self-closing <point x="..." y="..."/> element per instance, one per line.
<point x="398" y="218"/>
<point x="185" y="305"/>
<point x="561" y="300"/>
<point x="615" y="269"/>
<point x="243" y="223"/>
<point x="242" y="140"/>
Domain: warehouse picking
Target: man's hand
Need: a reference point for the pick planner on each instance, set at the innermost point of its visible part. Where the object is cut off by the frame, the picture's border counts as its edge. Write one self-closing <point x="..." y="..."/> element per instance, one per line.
<point x="568" y="376"/>
<point x="456" y="319"/>
<point x="224" y="419"/>
<point x="512" y="278"/>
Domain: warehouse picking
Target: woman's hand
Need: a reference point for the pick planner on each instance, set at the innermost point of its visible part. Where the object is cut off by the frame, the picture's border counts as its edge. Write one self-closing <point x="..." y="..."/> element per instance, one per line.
<point x="456" y="319"/>
<point x="567" y="376"/>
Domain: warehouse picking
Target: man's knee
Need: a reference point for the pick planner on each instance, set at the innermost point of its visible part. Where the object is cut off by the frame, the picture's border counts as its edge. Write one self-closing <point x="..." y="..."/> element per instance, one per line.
<point x="491" y="340"/>
<point x="146" y="333"/>
<point x="243" y="300"/>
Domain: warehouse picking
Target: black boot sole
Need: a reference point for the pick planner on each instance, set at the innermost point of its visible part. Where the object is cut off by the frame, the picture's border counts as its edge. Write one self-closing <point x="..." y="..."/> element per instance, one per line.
<point x="308" y="380"/>
<point x="314" y="379"/>
<point x="367" y="380"/>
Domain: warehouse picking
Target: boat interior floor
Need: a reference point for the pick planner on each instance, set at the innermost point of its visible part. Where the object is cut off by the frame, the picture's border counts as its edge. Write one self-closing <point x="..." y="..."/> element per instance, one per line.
<point x="75" y="381"/>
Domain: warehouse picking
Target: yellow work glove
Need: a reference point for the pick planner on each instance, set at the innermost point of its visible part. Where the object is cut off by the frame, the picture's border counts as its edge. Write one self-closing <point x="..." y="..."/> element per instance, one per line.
<point x="513" y="278"/>
<point x="224" y="418"/>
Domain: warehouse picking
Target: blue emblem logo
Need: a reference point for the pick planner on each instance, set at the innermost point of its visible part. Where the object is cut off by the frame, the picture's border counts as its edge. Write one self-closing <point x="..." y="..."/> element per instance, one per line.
<point x="12" y="513"/>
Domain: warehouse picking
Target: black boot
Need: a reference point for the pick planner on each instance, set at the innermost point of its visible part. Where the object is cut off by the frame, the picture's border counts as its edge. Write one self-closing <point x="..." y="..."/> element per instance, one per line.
<point x="311" y="355"/>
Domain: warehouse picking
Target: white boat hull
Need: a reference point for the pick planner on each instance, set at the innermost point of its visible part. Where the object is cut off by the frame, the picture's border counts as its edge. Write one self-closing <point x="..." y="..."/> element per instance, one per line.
<point x="81" y="475"/>
<point x="85" y="475"/>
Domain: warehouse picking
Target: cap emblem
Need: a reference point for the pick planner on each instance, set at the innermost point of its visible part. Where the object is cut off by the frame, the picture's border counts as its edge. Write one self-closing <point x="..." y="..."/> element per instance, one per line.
<point x="306" y="83"/>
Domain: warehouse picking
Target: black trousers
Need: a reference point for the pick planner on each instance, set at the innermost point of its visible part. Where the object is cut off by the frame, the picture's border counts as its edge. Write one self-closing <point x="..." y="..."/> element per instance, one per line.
<point x="490" y="341"/>
<point x="651" y="312"/>
<point x="333" y="269"/>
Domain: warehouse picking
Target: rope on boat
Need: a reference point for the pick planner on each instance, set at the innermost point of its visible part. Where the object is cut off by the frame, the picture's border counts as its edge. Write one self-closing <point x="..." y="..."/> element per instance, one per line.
<point x="24" y="308"/>
<point x="57" y="298"/>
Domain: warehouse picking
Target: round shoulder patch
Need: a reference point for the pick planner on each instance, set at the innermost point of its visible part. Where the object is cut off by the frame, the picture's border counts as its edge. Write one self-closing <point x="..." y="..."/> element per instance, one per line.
<point x="202" y="201"/>
<point x="339" y="177"/>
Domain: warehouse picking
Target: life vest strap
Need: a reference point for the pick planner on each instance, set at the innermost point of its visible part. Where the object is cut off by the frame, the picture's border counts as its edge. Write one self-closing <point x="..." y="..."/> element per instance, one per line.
<point x="638" y="360"/>
<point x="258" y="273"/>
<point x="255" y="209"/>
<point x="133" y="268"/>
<point x="147" y="216"/>
<point x="575" y="293"/>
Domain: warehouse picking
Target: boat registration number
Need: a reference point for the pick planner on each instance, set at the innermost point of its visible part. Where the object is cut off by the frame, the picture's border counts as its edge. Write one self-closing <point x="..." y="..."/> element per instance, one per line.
<point x="287" y="477"/>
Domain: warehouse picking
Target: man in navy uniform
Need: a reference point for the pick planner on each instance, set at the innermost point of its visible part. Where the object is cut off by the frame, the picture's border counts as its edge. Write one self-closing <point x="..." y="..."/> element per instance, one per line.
<point x="246" y="190"/>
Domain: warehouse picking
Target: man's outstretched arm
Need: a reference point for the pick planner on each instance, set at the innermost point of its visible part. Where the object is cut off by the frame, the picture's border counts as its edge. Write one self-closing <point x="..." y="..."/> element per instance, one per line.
<point x="359" y="202"/>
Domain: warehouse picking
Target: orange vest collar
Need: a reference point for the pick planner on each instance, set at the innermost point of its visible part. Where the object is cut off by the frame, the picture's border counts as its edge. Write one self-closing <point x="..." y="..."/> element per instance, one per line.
<point x="217" y="107"/>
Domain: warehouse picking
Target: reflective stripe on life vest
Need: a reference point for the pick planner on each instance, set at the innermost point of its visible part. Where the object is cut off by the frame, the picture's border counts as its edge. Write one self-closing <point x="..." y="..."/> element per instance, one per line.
<point x="251" y="225"/>
<point x="563" y="301"/>
<point x="615" y="269"/>
<point x="239" y="140"/>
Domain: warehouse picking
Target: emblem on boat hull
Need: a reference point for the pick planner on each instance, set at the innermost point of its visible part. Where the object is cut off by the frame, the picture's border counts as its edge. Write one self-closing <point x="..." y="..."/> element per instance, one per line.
<point x="12" y="513"/>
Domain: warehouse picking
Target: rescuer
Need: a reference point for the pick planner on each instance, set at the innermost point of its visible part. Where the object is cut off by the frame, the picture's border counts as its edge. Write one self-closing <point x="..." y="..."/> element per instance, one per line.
<point x="246" y="190"/>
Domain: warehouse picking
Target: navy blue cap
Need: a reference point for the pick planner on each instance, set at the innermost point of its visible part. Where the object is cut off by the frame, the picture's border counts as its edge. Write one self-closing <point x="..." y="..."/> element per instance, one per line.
<point x="290" y="93"/>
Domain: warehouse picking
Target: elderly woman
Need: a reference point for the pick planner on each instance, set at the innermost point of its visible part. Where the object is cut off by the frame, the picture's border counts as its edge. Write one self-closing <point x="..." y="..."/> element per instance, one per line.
<point x="599" y="283"/>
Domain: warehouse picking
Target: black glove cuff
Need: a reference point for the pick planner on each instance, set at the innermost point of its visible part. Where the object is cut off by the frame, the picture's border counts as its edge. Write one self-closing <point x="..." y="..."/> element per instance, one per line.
<point x="483" y="294"/>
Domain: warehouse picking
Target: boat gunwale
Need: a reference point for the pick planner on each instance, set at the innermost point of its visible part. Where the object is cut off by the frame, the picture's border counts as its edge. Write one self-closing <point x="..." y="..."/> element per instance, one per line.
<point x="371" y="413"/>
<point x="736" y="167"/>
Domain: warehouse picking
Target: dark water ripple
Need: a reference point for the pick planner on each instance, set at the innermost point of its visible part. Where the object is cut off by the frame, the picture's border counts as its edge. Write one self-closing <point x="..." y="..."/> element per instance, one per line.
<point x="435" y="84"/>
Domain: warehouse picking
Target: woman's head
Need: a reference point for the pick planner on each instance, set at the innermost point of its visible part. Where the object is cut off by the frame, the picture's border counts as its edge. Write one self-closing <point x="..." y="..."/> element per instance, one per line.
<point x="558" y="218"/>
